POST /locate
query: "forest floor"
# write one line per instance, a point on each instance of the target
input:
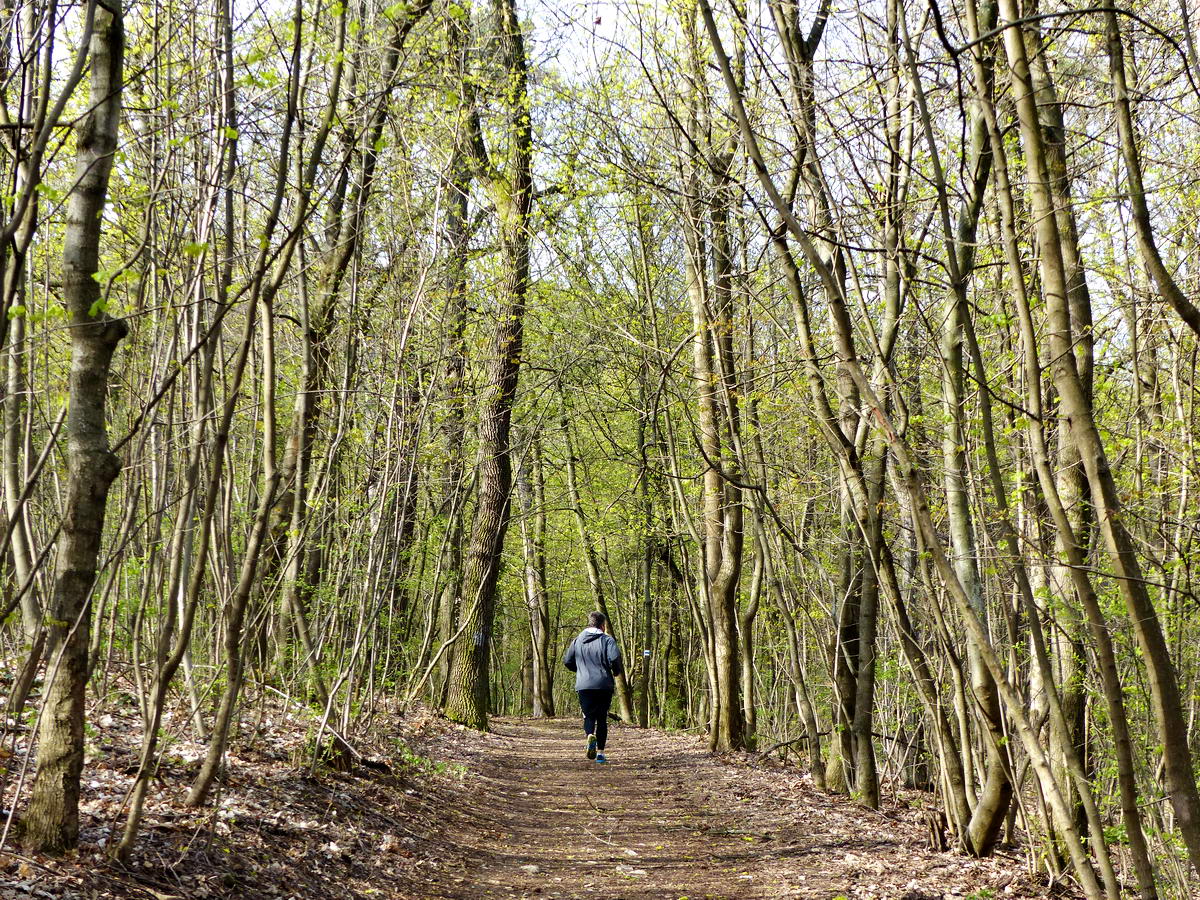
(519, 812)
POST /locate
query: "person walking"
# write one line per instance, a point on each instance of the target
(595, 659)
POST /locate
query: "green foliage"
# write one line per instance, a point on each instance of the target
(413, 764)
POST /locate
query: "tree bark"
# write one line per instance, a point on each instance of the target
(531, 491)
(458, 180)
(1164, 685)
(512, 195)
(52, 820)
(1135, 189)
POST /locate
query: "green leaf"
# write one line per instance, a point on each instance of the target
(49, 192)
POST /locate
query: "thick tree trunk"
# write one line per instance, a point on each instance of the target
(720, 563)
(52, 820)
(468, 699)
(646, 660)
(866, 777)
(746, 619)
(1069, 657)
(512, 195)
(457, 233)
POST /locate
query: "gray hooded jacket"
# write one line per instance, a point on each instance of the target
(594, 658)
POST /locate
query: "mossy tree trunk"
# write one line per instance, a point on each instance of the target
(52, 820)
(510, 189)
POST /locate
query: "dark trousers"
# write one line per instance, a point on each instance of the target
(595, 704)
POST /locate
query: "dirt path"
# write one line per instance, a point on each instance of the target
(665, 819)
(450, 813)
(563, 826)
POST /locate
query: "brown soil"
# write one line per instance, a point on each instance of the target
(665, 819)
(519, 812)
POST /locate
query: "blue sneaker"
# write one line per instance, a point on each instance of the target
(600, 758)
(591, 751)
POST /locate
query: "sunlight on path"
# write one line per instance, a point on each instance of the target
(638, 826)
(666, 820)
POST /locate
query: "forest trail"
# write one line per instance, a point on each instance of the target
(548, 822)
(447, 813)
(665, 819)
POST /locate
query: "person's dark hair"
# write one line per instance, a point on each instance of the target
(597, 619)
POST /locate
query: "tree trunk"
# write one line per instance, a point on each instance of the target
(512, 195)
(624, 691)
(530, 490)
(1134, 187)
(52, 820)
(234, 657)
(457, 189)
(1163, 680)
(343, 233)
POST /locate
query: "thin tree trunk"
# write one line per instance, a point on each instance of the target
(624, 692)
(1134, 187)
(530, 491)
(234, 658)
(909, 473)
(348, 221)
(1164, 685)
